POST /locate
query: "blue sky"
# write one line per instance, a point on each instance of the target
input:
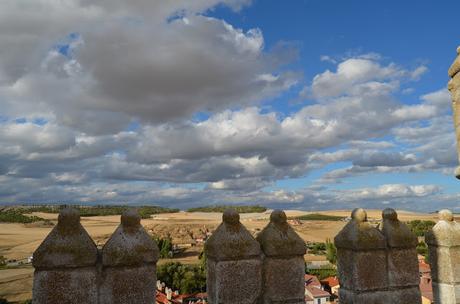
(295, 104)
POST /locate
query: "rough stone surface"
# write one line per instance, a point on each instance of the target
(372, 297)
(128, 285)
(446, 293)
(128, 260)
(234, 281)
(402, 296)
(361, 261)
(130, 244)
(284, 266)
(279, 239)
(70, 286)
(401, 251)
(284, 280)
(455, 67)
(231, 240)
(68, 269)
(359, 234)
(65, 264)
(444, 247)
(234, 264)
(454, 88)
(67, 245)
(446, 232)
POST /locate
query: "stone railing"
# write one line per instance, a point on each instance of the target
(376, 263)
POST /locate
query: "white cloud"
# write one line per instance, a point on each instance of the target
(90, 71)
(116, 66)
(361, 73)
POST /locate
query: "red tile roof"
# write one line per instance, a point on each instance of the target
(311, 280)
(318, 293)
(424, 268)
(331, 281)
(177, 299)
(426, 288)
(313, 286)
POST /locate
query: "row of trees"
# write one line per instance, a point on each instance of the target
(185, 278)
(16, 216)
(222, 208)
(420, 227)
(328, 249)
(165, 246)
(319, 217)
(99, 210)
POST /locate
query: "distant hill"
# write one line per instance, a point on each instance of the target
(100, 210)
(222, 208)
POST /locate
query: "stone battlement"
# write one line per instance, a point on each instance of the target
(375, 264)
(70, 269)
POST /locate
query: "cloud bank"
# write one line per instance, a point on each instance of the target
(157, 102)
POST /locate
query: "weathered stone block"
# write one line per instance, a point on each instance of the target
(70, 286)
(369, 270)
(361, 260)
(371, 297)
(284, 280)
(65, 264)
(284, 266)
(68, 245)
(444, 245)
(401, 252)
(345, 266)
(236, 281)
(409, 295)
(454, 88)
(234, 265)
(445, 263)
(403, 268)
(128, 264)
(128, 285)
(446, 293)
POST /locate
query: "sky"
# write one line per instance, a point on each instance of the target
(302, 104)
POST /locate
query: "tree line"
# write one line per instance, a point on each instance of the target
(222, 208)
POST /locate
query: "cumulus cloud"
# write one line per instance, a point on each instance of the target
(362, 73)
(130, 61)
(99, 103)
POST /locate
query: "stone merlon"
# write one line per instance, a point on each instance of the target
(359, 234)
(67, 245)
(130, 244)
(279, 239)
(231, 240)
(397, 234)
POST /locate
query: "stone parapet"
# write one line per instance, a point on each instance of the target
(377, 266)
(65, 264)
(129, 264)
(69, 269)
(444, 248)
(402, 262)
(284, 265)
(234, 263)
(361, 261)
